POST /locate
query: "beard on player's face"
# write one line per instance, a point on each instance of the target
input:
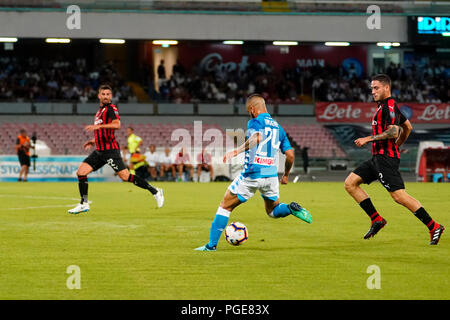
(105, 100)
(380, 95)
(251, 113)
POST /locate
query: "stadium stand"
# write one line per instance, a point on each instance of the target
(38, 80)
(57, 79)
(319, 141)
(68, 138)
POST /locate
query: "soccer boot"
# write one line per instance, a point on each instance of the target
(205, 248)
(81, 207)
(300, 212)
(159, 197)
(435, 234)
(374, 228)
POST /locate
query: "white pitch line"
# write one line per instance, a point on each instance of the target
(41, 207)
(41, 197)
(36, 197)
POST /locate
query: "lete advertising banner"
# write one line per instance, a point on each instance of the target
(361, 112)
(54, 168)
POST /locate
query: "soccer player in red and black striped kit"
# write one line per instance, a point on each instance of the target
(390, 129)
(107, 151)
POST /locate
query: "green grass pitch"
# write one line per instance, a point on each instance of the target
(127, 249)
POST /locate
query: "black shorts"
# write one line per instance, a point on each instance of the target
(384, 169)
(24, 159)
(98, 159)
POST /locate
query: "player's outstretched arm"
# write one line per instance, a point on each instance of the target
(290, 156)
(88, 144)
(249, 144)
(404, 133)
(115, 125)
(390, 133)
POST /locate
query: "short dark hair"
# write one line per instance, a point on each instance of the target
(384, 78)
(104, 87)
(255, 95)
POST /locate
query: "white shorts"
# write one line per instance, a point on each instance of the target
(245, 188)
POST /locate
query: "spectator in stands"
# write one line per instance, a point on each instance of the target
(178, 68)
(166, 164)
(116, 98)
(161, 73)
(204, 160)
(84, 97)
(153, 159)
(132, 98)
(45, 79)
(41, 79)
(125, 155)
(183, 163)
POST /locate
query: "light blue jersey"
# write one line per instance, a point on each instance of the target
(259, 174)
(261, 161)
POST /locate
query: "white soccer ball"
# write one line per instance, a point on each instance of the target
(236, 233)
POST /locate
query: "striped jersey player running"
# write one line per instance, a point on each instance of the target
(264, 138)
(107, 151)
(390, 129)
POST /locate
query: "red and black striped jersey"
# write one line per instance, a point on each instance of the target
(387, 114)
(104, 138)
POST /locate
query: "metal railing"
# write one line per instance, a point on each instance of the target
(155, 108)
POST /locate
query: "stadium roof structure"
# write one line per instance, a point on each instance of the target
(405, 7)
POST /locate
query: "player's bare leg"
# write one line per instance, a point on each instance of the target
(84, 169)
(275, 209)
(403, 198)
(353, 187)
(229, 202)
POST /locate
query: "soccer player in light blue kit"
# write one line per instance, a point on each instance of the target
(264, 138)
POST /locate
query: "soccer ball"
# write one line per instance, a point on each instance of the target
(236, 233)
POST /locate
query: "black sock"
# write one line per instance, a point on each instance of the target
(83, 187)
(141, 183)
(370, 210)
(423, 216)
